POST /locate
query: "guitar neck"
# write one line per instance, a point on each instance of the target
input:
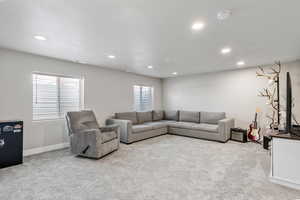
(255, 121)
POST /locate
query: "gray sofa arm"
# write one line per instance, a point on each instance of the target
(224, 128)
(125, 128)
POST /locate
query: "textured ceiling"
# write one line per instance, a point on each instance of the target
(154, 32)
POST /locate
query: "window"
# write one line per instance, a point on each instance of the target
(53, 96)
(143, 98)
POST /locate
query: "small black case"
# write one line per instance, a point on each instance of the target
(238, 134)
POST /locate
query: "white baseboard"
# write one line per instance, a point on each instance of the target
(44, 149)
(285, 183)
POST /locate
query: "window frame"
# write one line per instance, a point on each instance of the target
(152, 96)
(58, 76)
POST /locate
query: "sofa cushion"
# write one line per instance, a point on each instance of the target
(195, 126)
(189, 116)
(168, 122)
(185, 125)
(144, 117)
(141, 128)
(157, 115)
(171, 115)
(158, 124)
(206, 127)
(211, 117)
(132, 116)
(108, 136)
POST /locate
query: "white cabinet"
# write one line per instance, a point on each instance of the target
(285, 166)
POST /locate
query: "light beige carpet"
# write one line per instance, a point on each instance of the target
(162, 168)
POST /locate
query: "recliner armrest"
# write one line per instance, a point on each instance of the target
(109, 128)
(88, 131)
(89, 135)
(224, 128)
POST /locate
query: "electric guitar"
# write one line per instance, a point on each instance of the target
(254, 131)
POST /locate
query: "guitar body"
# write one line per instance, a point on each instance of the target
(249, 134)
(254, 131)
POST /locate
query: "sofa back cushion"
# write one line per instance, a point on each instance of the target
(189, 116)
(132, 116)
(171, 115)
(144, 117)
(211, 117)
(157, 115)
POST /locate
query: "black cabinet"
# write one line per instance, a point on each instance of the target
(238, 134)
(11, 143)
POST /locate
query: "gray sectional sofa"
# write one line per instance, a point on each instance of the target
(135, 126)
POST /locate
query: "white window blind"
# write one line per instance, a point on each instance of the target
(53, 96)
(143, 98)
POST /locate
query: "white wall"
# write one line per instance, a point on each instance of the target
(106, 91)
(235, 92)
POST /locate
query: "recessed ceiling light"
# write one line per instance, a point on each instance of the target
(198, 26)
(150, 67)
(224, 14)
(226, 50)
(174, 73)
(111, 56)
(39, 37)
(240, 63)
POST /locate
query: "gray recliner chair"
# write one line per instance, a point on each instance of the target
(87, 138)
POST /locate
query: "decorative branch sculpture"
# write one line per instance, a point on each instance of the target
(272, 92)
